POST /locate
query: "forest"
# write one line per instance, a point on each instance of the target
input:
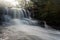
(43, 10)
(29, 19)
(46, 10)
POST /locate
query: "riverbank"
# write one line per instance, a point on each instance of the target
(54, 25)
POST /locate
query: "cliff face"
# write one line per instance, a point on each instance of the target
(1, 15)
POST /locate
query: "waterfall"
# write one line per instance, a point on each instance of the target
(17, 13)
(20, 26)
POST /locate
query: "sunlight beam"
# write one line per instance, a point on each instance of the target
(27, 0)
(12, 2)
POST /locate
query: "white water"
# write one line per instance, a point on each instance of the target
(23, 30)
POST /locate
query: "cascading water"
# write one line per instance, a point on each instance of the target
(22, 30)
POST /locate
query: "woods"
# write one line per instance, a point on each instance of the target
(47, 10)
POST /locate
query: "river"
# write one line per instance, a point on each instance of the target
(20, 26)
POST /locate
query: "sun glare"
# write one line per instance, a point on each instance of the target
(27, 0)
(12, 2)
